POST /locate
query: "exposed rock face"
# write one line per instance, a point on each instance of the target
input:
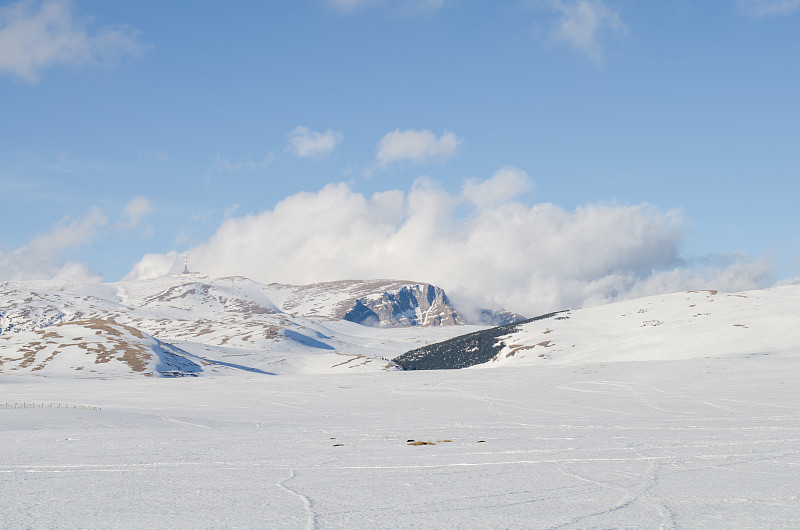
(410, 305)
(382, 303)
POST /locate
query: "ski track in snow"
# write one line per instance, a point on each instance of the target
(186, 423)
(307, 505)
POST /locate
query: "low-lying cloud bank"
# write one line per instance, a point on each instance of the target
(483, 245)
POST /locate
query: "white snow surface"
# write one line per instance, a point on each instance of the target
(686, 325)
(679, 411)
(702, 443)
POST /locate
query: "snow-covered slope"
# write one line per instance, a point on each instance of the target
(226, 323)
(193, 324)
(93, 347)
(688, 325)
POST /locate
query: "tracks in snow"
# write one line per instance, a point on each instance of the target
(311, 523)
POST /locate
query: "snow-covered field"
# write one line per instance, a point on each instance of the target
(694, 443)
(675, 411)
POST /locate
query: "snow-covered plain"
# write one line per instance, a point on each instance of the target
(677, 411)
(699, 443)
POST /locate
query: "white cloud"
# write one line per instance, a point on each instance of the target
(35, 35)
(529, 258)
(224, 164)
(401, 6)
(38, 260)
(68, 235)
(764, 8)
(417, 146)
(502, 186)
(180, 238)
(582, 24)
(155, 265)
(304, 142)
(135, 211)
(346, 6)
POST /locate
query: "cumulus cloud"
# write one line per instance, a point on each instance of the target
(35, 35)
(528, 258)
(38, 260)
(134, 213)
(304, 142)
(764, 8)
(155, 265)
(503, 185)
(583, 23)
(417, 146)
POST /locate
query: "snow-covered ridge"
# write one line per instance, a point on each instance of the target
(687, 325)
(35, 305)
(677, 326)
(94, 347)
(232, 322)
(191, 324)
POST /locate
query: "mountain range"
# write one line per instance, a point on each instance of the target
(193, 325)
(190, 324)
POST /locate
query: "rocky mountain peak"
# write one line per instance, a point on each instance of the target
(408, 305)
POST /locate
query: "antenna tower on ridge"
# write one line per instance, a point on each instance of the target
(185, 265)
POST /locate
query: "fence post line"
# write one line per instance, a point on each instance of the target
(43, 405)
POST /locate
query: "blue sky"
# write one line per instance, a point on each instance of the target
(133, 129)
